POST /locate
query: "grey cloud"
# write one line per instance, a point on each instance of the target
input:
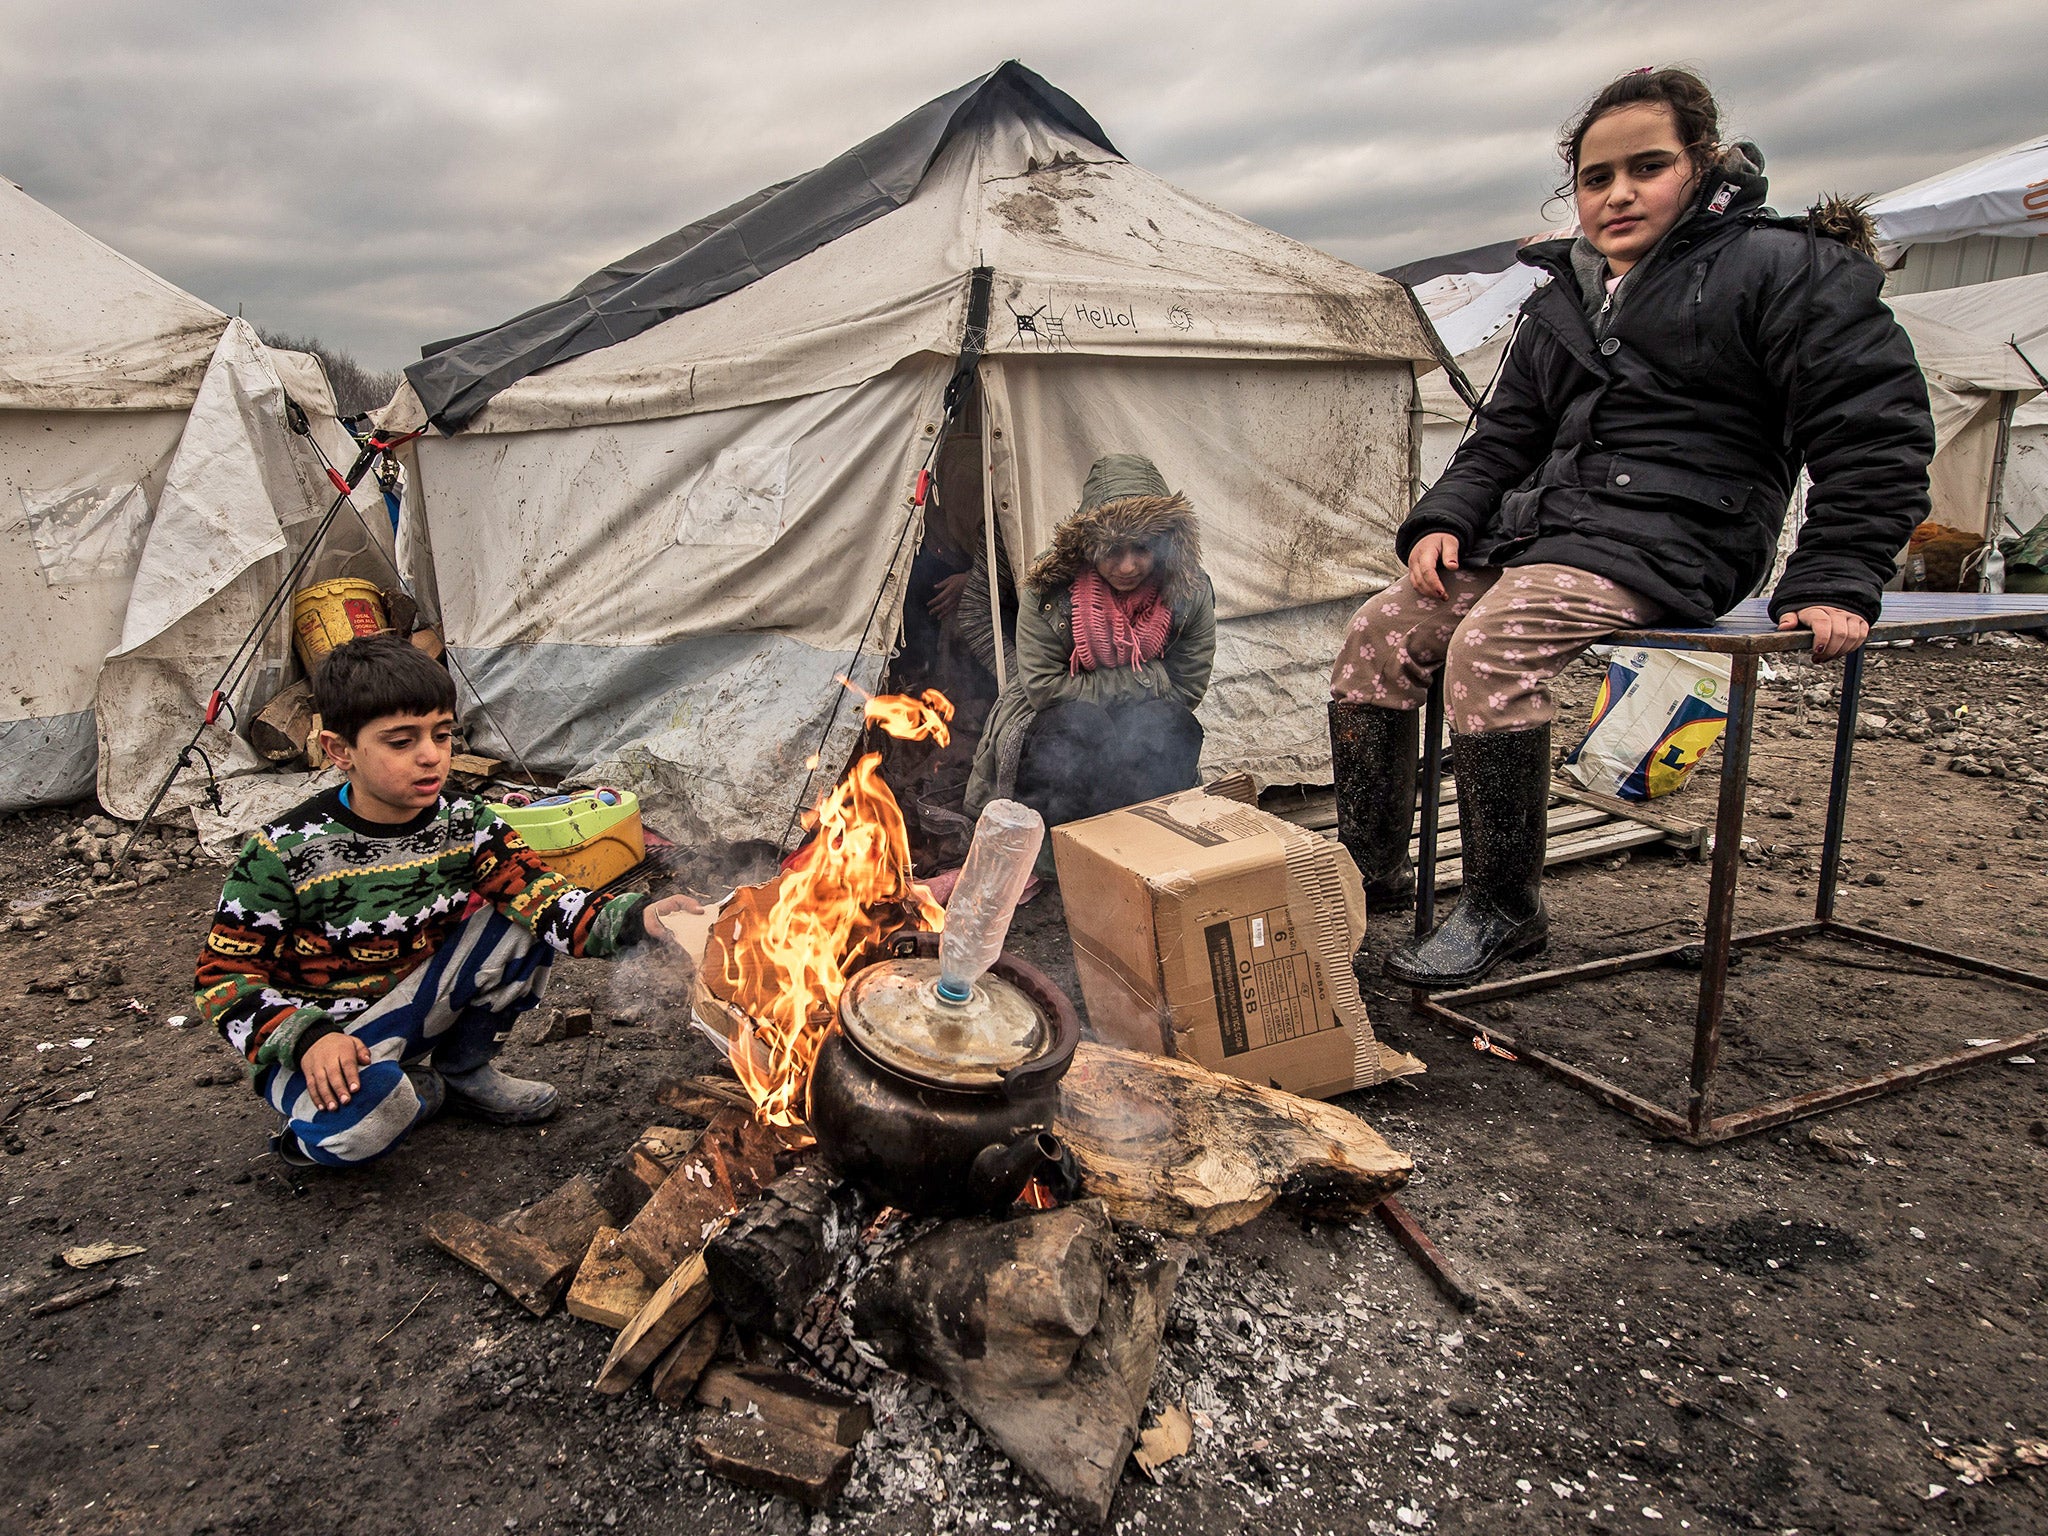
(386, 174)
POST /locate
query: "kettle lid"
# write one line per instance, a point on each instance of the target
(893, 1012)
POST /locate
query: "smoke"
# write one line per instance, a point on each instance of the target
(1083, 759)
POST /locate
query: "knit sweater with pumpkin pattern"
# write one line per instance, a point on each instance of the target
(325, 912)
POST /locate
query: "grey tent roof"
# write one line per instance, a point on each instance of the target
(1497, 257)
(723, 253)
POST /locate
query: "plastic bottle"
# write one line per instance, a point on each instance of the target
(1005, 847)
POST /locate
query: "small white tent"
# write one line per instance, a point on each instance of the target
(1980, 346)
(1976, 223)
(142, 454)
(665, 513)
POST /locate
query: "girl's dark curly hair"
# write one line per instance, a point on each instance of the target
(1693, 110)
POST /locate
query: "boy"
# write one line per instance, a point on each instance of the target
(372, 949)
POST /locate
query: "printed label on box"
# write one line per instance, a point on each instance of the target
(1264, 982)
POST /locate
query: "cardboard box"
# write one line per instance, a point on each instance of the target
(1205, 928)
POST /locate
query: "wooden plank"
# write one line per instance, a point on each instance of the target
(530, 1272)
(1681, 832)
(608, 1287)
(687, 1093)
(636, 1173)
(757, 1455)
(1563, 820)
(1609, 837)
(472, 771)
(675, 1378)
(698, 1194)
(785, 1398)
(565, 1219)
(676, 1303)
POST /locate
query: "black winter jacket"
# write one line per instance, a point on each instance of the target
(1659, 445)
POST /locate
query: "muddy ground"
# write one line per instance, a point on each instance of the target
(1774, 1335)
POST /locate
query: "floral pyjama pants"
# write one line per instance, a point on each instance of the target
(1499, 638)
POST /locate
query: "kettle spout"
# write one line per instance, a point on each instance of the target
(1001, 1172)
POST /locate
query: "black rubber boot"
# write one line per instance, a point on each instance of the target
(1503, 806)
(1372, 757)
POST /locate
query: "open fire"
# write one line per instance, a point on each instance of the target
(783, 949)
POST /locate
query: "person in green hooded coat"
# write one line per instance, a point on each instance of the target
(1115, 639)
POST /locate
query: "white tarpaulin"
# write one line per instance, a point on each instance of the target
(652, 559)
(603, 633)
(2003, 194)
(70, 485)
(241, 497)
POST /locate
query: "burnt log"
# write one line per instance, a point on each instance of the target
(767, 1265)
(1173, 1147)
(1041, 1327)
(1000, 1304)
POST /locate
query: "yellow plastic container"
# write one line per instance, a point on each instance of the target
(580, 836)
(331, 613)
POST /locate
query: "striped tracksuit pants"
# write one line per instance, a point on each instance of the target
(452, 1013)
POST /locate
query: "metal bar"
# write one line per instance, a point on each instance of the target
(1961, 962)
(1590, 970)
(1706, 1038)
(1432, 793)
(1838, 786)
(1394, 1217)
(1776, 1112)
(1611, 1094)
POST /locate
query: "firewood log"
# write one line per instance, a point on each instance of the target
(1005, 1304)
(1174, 1147)
(768, 1264)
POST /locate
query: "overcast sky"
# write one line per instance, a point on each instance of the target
(381, 175)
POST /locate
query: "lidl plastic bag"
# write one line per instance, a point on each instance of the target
(1656, 715)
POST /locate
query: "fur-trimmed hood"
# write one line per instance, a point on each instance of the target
(1126, 502)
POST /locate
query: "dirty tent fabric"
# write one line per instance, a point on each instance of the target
(664, 513)
(1974, 344)
(110, 379)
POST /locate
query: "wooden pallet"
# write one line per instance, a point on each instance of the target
(1582, 825)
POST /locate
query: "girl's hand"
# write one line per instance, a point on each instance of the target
(653, 913)
(332, 1068)
(1430, 551)
(1836, 631)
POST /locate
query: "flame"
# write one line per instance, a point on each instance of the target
(789, 944)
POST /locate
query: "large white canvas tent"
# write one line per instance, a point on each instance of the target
(144, 468)
(1975, 223)
(664, 513)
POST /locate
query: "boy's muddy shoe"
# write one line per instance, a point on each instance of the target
(432, 1090)
(492, 1095)
(285, 1147)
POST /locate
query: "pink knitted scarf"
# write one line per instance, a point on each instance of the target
(1117, 629)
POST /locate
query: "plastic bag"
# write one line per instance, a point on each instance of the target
(1656, 715)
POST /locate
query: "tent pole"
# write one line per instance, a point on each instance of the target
(989, 535)
(1994, 505)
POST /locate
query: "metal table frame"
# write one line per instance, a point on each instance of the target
(1746, 635)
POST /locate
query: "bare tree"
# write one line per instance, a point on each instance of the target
(356, 388)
